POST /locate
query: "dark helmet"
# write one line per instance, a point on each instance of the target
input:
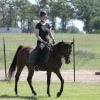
(43, 13)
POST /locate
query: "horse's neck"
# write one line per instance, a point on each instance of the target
(56, 54)
(55, 59)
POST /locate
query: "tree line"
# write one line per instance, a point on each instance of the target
(26, 13)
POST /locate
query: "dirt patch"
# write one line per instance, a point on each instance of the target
(81, 76)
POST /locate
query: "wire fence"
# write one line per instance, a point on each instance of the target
(82, 68)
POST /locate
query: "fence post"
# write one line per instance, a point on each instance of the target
(74, 59)
(4, 51)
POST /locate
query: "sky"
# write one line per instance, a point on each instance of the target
(32, 1)
(78, 23)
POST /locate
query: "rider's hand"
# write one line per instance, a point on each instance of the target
(45, 42)
(53, 41)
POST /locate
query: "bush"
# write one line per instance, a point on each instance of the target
(72, 29)
(95, 24)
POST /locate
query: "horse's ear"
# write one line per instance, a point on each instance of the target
(72, 43)
(61, 43)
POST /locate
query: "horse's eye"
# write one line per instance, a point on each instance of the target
(70, 50)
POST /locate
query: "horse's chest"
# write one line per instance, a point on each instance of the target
(55, 63)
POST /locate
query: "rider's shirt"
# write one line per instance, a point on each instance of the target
(43, 31)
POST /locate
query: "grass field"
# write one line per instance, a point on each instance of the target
(87, 57)
(72, 91)
(87, 48)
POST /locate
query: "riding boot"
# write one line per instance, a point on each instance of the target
(36, 63)
(44, 56)
(34, 57)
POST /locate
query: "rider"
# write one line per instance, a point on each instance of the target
(42, 31)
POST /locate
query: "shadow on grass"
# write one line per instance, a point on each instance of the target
(22, 97)
(4, 80)
(18, 97)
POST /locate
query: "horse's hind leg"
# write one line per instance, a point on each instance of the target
(29, 79)
(19, 70)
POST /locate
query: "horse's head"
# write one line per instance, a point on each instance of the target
(66, 49)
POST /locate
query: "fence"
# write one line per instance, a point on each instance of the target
(81, 68)
(8, 46)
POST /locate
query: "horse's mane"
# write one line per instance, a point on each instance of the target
(56, 48)
(58, 45)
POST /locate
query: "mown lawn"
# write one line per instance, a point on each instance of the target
(72, 91)
(87, 48)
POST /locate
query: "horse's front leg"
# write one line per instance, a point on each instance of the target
(48, 82)
(62, 83)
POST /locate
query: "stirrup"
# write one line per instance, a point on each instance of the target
(36, 67)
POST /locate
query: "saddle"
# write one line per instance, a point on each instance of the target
(40, 57)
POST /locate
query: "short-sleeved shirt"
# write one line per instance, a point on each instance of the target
(43, 31)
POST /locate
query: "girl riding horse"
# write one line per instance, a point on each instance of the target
(54, 63)
(42, 30)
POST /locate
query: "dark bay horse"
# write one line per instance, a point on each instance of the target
(54, 63)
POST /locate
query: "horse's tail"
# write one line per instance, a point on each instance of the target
(13, 64)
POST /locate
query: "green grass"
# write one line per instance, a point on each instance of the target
(87, 48)
(72, 91)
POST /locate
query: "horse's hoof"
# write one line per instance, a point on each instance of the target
(58, 94)
(16, 93)
(35, 93)
(49, 95)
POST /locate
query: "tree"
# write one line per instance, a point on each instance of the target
(53, 13)
(95, 21)
(63, 10)
(24, 11)
(11, 17)
(3, 11)
(66, 13)
(95, 24)
(72, 29)
(7, 12)
(86, 10)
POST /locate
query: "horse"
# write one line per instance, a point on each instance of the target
(57, 52)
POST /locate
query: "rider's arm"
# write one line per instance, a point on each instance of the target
(50, 34)
(37, 35)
